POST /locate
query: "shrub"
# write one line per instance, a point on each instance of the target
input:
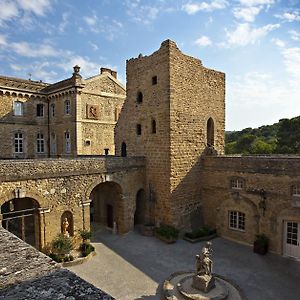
(61, 245)
(201, 232)
(85, 235)
(167, 231)
(86, 249)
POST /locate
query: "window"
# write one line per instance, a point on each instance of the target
(138, 129)
(123, 150)
(210, 132)
(153, 126)
(237, 220)
(106, 151)
(154, 80)
(40, 143)
(40, 110)
(67, 142)
(67, 107)
(237, 183)
(52, 110)
(18, 108)
(19, 143)
(296, 190)
(139, 97)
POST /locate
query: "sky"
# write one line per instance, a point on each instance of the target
(255, 42)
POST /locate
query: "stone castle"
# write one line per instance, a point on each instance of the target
(155, 157)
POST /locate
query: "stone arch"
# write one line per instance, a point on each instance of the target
(210, 132)
(140, 207)
(107, 207)
(69, 216)
(20, 216)
(244, 205)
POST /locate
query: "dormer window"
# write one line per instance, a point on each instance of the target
(18, 108)
(237, 183)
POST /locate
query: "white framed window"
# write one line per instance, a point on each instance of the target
(40, 143)
(296, 190)
(236, 220)
(67, 107)
(52, 110)
(40, 110)
(67, 142)
(18, 108)
(237, 183)
(19, 142)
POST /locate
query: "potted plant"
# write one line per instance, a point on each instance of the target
(167, 233)
(86, 247)
(261, 244)
(61, 247)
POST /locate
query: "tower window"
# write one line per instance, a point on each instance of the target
(52, 110)
(139, 98)
(153, 126)
(40, 110)
(67, 107)
(210, 132)
(123, 150)
(154, 80)
(138, 129)
(67, 142)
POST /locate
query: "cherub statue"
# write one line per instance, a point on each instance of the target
(203, 261)
(65, 227)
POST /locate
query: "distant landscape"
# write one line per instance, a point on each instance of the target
(280, 138)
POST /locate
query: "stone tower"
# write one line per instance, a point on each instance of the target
(173, 114)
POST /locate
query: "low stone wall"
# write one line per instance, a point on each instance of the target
(26, 273)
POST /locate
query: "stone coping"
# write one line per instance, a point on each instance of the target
(200, 239)
(78, 261)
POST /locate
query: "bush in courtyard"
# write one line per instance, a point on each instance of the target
(85, 235)
(201, 232)
(86, 249)
(62, 245)
(167, 231)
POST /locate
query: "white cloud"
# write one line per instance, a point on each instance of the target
(203, 41)
(38, 7)
(289, 16)
(34, 50)
(91, 21)
(256, 2)
(247, 13)
(291, 58)
(65, 21)
(3, 41)
(294, 35)
(279, 43)
(192, 8)
(244, 34)
(8, 10)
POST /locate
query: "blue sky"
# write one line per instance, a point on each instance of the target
(255, 42)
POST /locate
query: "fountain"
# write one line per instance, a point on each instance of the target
(199, 285)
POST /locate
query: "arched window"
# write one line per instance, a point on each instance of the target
(153, 126)
(210, 132)
(139, 98)
(123, 150)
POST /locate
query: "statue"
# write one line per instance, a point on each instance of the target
(203, 261)
(203, 279)
(65, 227)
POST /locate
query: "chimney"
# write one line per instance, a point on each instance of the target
(107, 70)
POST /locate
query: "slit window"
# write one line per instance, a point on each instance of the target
(139, 98)
(154, 80)
(138, 129)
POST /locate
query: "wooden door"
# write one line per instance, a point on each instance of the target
(292, 239)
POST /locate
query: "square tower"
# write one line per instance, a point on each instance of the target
(173, 114)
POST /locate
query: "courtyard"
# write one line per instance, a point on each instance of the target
(133, 267)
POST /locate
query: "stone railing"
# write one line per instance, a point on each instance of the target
(12, 170)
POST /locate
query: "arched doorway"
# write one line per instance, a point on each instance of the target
(210, 132)
(140, 208)
(106, 204)
(20, 216)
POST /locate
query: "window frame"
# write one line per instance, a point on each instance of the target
(40, 110)
(52, 110)
(236, 220)
(296, 190)
(68, 148)
(67, 107)
(21, 107)
(18, 143)
(40, 143)
(237, 183)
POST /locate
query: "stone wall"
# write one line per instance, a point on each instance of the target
(66, 185)
(267, 182)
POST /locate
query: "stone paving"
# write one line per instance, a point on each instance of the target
(133, 267)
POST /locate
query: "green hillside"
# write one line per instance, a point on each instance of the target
(280, 138)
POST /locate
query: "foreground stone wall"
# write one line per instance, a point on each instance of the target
(273, 175)
(26, 273)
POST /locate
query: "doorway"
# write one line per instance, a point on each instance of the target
(291, 242)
